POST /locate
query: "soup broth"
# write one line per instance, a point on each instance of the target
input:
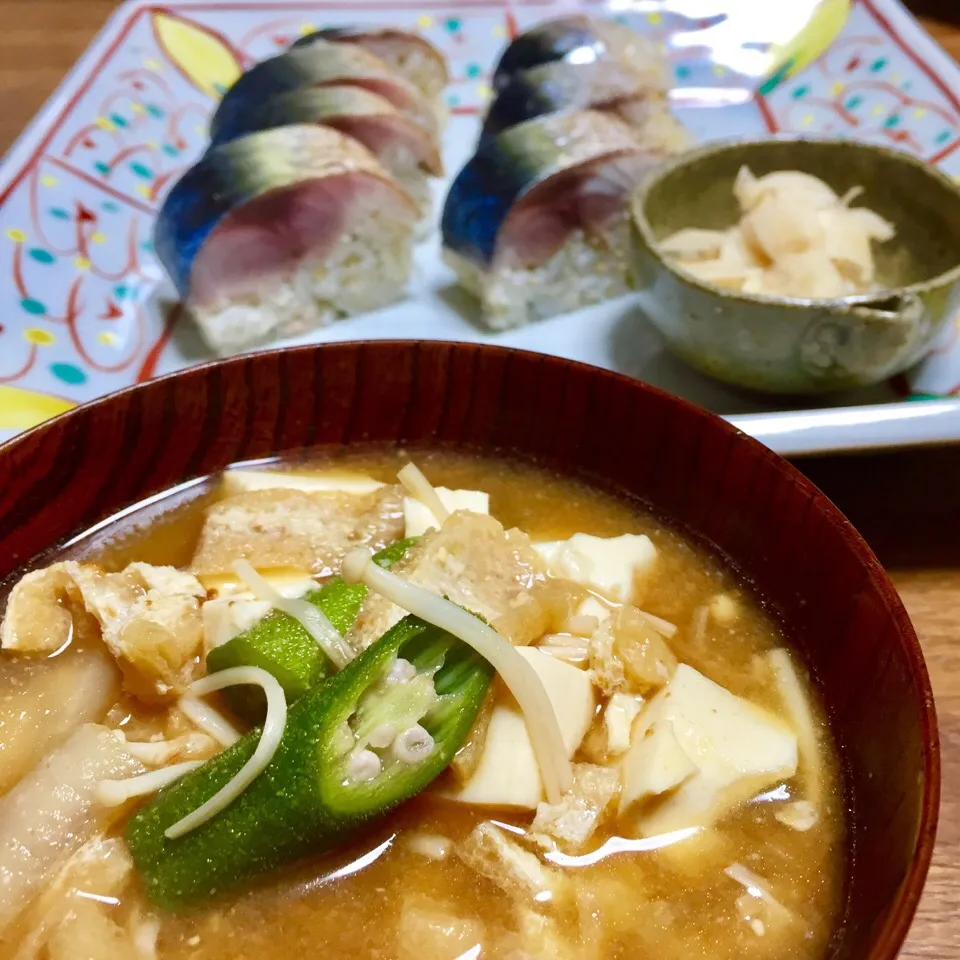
(763, 881)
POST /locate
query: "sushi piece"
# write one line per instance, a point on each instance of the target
(410, 54)
(321, 64)
(407, 149)
(536, 222)
(579, 39)
(605, 85)
(283, 231)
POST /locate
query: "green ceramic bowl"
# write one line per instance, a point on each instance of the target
(794, 346)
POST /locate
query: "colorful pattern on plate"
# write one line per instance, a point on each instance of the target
(86, 309)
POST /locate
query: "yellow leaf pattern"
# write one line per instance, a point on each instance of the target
(21, 409)
(814, 39)
(204, 57)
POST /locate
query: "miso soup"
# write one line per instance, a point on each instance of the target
(488, 712)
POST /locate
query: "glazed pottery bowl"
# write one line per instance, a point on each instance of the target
(795, 346)
(809, 565)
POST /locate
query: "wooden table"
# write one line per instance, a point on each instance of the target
(907, 505)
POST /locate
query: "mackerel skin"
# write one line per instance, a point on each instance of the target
(355, 112)
(572, 38)
(410, 53)
(561, 85)
(544, 159)
(232, 175)
(319, 63)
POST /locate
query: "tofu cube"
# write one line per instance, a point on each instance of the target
(655, 764)
(225, 618)
(738, 750)
(621, 711)
(331, 481)
(288, 583)
(418, 517)
(235, 609)
(507, 774)
(606, 565)
(549, 550)
(592, 607)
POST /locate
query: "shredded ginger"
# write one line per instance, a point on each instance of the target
(795, 238)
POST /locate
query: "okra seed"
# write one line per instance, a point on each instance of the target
(383, 736)
(401, 671)
(363, 766)
(413, 745)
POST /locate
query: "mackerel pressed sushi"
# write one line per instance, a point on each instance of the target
(605, 85)
(536, 223)
(406, 148)
(282, 231)
(579, 39)
(320, 64)
(409, 53)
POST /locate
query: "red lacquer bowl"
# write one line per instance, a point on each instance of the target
(692, 468)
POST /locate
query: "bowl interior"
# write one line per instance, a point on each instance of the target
(695, 470)
(697, 191)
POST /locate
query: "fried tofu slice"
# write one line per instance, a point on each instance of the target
(626, 652)
(151, 623)
(309, 530)
(490, 852)
(572, 822)
(149, 618)
(473, 562)
(38, 618)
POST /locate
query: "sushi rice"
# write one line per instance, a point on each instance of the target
(536, 222)
(283, 231)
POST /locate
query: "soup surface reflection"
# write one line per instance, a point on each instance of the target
(756, 873)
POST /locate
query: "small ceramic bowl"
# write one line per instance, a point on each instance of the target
(806, 561)
(797, 346)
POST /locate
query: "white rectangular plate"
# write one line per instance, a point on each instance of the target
(85, 308)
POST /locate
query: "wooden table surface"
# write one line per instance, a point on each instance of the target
(907, 505)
